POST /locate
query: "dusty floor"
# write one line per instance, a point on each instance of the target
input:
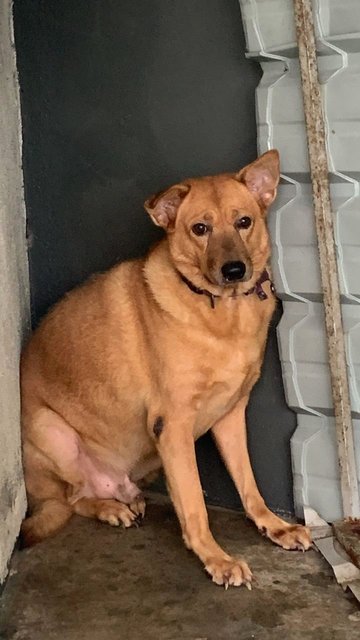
(95, 582)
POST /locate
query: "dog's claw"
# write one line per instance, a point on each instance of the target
(138, 518)
(248, 585)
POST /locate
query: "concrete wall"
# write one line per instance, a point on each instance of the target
(14, 292)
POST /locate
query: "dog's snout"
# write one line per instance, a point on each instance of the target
(233, 271)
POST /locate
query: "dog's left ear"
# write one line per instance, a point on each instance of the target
(262, 177)
(164, 206)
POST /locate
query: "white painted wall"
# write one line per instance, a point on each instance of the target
(14, 291)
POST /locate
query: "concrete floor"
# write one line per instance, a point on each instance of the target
(95, 582)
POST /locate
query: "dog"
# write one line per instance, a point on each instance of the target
(129, 369)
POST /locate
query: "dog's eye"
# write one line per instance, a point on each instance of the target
(200, 229)
(243, 223)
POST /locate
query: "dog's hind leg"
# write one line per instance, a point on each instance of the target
(63, 477)
(48, 506)
(47, 518)
(49, 448)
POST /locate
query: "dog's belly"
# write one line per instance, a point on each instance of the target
(90, 471)
(100, 481)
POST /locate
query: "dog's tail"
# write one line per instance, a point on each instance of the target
(46, 519)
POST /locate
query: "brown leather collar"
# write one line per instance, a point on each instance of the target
(257, 288)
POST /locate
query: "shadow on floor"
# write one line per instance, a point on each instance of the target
(95, 582)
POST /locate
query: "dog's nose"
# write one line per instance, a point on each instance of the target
(233, 271)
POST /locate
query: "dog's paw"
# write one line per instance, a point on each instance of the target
(229, 572)
(138, 506)
(290, 536)
(116, 513)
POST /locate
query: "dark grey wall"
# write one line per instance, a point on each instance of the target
(121, 98)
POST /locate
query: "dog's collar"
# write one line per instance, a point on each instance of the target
(257, 288)
(201, 292)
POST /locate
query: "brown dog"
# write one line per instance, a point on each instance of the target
(128, 370)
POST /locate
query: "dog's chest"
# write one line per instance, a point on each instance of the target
(215, 363)
(223, 380)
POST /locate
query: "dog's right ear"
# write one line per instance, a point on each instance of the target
(163, 206)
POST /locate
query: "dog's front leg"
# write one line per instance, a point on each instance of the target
(175, 443)
(230, 437)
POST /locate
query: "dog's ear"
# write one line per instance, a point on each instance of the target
(262, 177)
(164, 206)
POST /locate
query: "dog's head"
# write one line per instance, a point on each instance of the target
(216, 225)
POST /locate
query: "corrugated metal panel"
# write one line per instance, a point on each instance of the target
(270, 35)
